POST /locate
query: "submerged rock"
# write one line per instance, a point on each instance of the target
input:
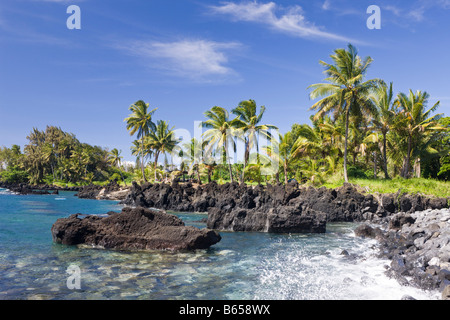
(133, 229)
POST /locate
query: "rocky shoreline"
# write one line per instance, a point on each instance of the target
(24, 189)
(413, 231)
(418, 246)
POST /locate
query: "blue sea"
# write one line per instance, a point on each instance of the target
(242, 266)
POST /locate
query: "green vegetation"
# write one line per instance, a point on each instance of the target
(361, 132)
(56, 157)
(427, 187)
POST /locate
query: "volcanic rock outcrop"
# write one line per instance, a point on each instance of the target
(133, 229)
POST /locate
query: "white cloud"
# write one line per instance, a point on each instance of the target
(326, 5)
(196, 59)
(292, 21)
(393, 9)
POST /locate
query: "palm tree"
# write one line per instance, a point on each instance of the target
(414, 122)
(115, 160)
(283, 151)
(220, 133)
(193, 153)
(161, 140)
(140, 121)
(346, 92)
(317, 170)
(384, 117)
(249, 122)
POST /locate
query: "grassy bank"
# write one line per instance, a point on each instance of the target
(428, 187)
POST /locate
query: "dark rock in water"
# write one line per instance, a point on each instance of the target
(112, 191)
(26, 189)
(276, 220)
(407, 297)
(89, 192)
(399, 219)
(366, 231)
(133, 229)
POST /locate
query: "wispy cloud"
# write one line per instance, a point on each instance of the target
(326, 5)
(418, 9)
(291, 21)
(199, 60)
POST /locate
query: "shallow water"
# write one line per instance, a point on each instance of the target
(241, 266)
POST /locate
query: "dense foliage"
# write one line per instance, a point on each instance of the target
(54, 156)
(361, 129)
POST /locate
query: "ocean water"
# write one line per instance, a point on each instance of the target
(242, 266)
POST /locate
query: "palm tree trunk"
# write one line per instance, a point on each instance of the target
(246, 156)
(156, 163)
(231, 172)
(198, 175)
(228, 160)
(285, 173)
(209, 176)
(405, 170)
(142, 159)
(385, 168)
(347, 113)
(417, 171)
(374, 164)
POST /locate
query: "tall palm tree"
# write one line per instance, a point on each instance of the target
(220, 133)
(140, 121)
(346, 91)
(249, 122)
(414, 121)
(384, 117)
(161, 140)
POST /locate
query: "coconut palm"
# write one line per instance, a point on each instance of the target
(384, 117)
(346, 91)
(115, 160)
(193, 153)
(220, 133)
(161, 140)
(249, 122)
(140, 122)
(284, 151)
(414, 122)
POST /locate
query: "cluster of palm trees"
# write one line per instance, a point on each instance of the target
(369, 108)
(204, 154)
(152, 139)
(357, 123)
(53, 155)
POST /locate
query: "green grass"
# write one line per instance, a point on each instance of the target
(426, 187)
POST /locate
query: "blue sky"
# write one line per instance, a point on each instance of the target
(185, 56)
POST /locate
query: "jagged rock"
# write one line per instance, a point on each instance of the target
(366, 231)
(133, 229)
(399, 219)
(275, 220)
(112, 191)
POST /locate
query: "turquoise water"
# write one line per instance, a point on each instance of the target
(246, 266)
